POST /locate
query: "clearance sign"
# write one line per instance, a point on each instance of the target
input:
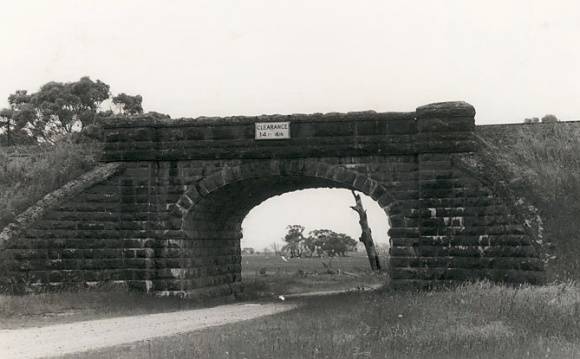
(272, 130)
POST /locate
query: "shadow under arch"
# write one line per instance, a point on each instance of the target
(212, 210)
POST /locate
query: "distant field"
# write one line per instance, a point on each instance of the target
(271, 275)
(354, 262)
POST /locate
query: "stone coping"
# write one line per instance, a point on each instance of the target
(159, 121)
(433, 110)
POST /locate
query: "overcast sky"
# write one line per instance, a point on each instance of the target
(510, 59)
(314, 209)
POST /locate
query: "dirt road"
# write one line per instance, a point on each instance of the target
(90, 335)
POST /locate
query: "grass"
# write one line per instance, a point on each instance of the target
(266, 276)
(542, 164)
(479, 320)
(355, 262)
(44, 309)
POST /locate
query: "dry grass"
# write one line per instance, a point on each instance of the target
(56, 308)
(355, 262)
(270, 276)
(480, 320)
(547, 159)
(28, 173)
(542, 163)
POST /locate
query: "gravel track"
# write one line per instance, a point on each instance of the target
(57, 340)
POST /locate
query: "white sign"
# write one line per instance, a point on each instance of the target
(272, 130)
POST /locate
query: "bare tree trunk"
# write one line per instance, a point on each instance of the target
(8, 135)
(366, 237)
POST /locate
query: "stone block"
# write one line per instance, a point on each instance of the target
(445, 124)
(407, 232)
(456, 109)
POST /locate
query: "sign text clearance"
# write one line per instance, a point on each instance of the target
(272, 130)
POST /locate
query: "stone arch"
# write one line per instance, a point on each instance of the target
(329, 175)
(210, 214)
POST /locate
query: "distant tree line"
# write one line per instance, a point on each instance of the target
(59, 109)
(319, 242)
(546, 119)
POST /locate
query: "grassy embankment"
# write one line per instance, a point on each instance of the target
(541, 163)
(27, 173)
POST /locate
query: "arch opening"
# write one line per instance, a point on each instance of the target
(323, 253)
(213, 224)
(313, 208)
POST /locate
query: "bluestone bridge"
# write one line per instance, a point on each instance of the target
(163, 212)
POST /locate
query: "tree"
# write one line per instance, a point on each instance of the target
(7, 124)
(330, 243)
(310, 245)
(549, 119)
(62, 108)
(14, 119)
(318, 240)
(294, 239)
(532, 120)
(275, 248)
(130, 105)
(57, 108)
(366, 236)
(343, 243)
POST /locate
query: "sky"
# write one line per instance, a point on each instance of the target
(313, 209)
(510, 59)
